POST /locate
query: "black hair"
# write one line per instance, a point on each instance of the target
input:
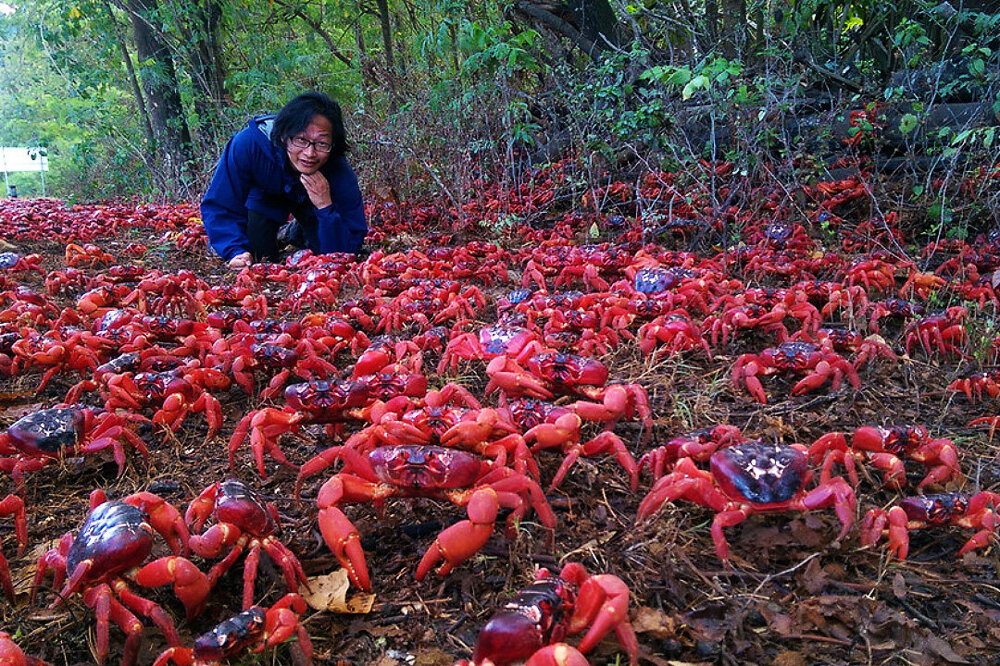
(295, 116)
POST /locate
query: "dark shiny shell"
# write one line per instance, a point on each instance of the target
(761, 473)
(239, 505)
(48, 431)
(9, 259)
(115, 537)
(326, 401)
(231, 636)
(655, 280)
(534, 618)
(424, 467)
(939, 509)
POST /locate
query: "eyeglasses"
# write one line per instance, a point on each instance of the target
(302, 143)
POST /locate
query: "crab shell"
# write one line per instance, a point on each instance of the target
(534, 618)
(115, 537)
(274, 356)
(497, 339)
(231, 636)
(761, 473)
(568, 371)
(48, 432)
(936, 509)
(654, 280)
(425, 467)
(238, 505)
(324, 400)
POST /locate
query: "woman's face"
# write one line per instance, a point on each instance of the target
(309, 159)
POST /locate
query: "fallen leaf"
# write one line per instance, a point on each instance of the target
(434, 657)
(996, 278)
(654, 622)
(899, 586)
(782, 624)
(17, 411)
(941, 648)
(789, 659)
(813, 578)
(329, 593)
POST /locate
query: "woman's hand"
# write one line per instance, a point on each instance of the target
(240, 261)
(318, 188)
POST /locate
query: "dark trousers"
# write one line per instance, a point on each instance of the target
(262, 235)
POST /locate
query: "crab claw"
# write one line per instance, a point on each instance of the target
(463, 539)
(557, 654)
(340, 534)
(190, 584)
(164, 518)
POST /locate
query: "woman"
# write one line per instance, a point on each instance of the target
(290, 163)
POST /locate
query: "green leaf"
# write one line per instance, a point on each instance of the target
(594, 231)
(907, 123)
(853, 22)
(693, 85)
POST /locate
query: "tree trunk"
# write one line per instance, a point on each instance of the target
(140, 101)
(205, 61)
(590, 24)
(734, 27)
(159, 81)
(390, 65)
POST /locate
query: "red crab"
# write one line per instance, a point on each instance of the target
(88, 255)
(278, 361)
(699, 445)
(885, 447)
(48, 435)
(12, 505)
(482, 431)
(750, 478)
(13, 262)
(11, 654)
(311, 402)
(551, 609)
(818, 362)
(563, 433)
(670, 334)
(425, 471)
(939, 331)
(104, 560)
(976, 511)
(491, 342)
(975, 384)
(175, 394)
(256, 627)
(571, 374)
(242, 521)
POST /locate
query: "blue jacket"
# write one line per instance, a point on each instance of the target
(253, 174)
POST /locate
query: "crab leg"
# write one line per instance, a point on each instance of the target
(464, 539)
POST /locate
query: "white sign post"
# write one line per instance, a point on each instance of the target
(24, 160)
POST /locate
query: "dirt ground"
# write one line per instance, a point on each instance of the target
(791, 594)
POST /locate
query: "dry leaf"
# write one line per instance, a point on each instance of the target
(996, 278)
(330, 593)
(941, 648)
(789, 659)
(814, 578)
(899, 586)
(434, 657)
(654, 622)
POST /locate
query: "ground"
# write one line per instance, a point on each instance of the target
(790, 594)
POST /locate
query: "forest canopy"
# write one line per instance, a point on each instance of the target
(137, 97)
